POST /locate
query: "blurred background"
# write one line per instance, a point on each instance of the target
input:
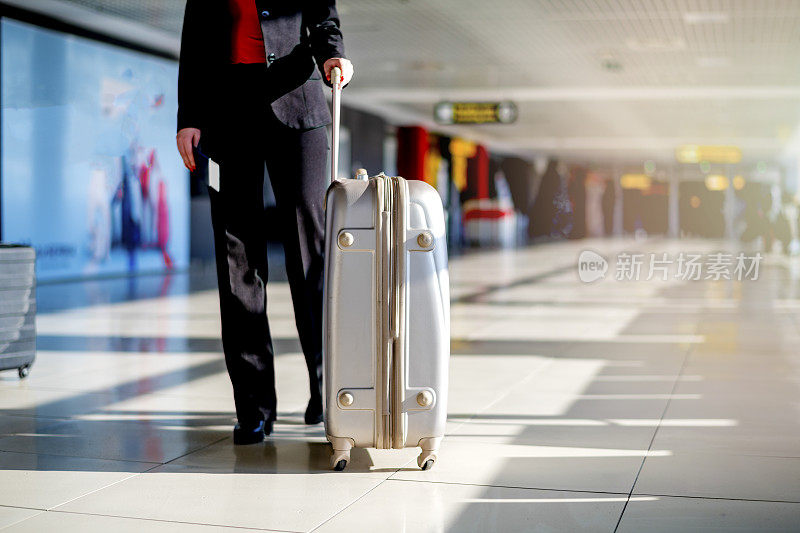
(535, 121)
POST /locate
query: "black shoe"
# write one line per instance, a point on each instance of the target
(314, 411)
(251, 435)
(268, 425)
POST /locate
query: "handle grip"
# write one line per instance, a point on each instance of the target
(336, 105)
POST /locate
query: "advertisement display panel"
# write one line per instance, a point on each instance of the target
(90, 174)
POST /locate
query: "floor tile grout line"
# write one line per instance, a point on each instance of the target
(6, 506)
(515, 487)
(474, 296)
(52, 388)
(221, 439)
(12, 524)
(136, 474)
(33, 417)
(78, 417)
(155, 463)
(39, 509)
(343, 509)
(655, 432)
(688, 496)
(173, 521)
(583, 491)
(505, 394)
(471, 297)
(97, 490)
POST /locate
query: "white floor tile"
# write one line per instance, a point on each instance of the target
(11, 425)
(732, 436)
(696, 514)
(296, 449)
(45, 481)
(719, 475)
(463, 460)
(292, 502)
(51, 403)
(81, 523)
(553, 431)
(153, 441)
(121, 369)
(400, 506)
(61, 364)
(13, 515)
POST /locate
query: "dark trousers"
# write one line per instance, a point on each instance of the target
(295, 161)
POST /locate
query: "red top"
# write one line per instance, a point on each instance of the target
(247, 43)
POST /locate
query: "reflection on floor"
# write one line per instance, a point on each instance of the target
(617, 405)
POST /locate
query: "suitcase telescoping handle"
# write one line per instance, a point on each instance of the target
(336, 106)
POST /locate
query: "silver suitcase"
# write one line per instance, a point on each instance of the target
(386, 314)
(17, 308)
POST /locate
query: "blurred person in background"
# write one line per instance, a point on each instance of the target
(757, 204)
(249, 93)
(608, 201)
(782, 227)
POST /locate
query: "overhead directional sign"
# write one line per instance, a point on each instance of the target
(693, 153)
(475, 112)
(635, 181)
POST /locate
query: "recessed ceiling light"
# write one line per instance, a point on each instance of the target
(655, 44)
(706, 17)
(713, 61)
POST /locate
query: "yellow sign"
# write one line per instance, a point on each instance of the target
(716, 182)
(635, 181)
(475, 112)
(693, 153)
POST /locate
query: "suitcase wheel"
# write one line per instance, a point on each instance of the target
(339, 459)
(23, 371)
(427, 458)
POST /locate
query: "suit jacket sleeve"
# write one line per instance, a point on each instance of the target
(322, 21)
(190, 68)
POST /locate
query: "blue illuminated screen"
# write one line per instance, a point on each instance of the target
(90, 174)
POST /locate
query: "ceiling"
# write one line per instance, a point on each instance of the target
(166, 15)
(594, 80)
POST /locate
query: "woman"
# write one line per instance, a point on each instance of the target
(249, 94)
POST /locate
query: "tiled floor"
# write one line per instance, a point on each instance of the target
(612, 406)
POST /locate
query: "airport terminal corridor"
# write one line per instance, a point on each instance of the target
(616, 405)
(607, 192)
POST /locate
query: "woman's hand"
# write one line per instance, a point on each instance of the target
(344, 64)
(187, 139)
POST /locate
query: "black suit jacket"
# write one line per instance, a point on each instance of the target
(296, 34)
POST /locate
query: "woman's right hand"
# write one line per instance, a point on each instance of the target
(187, 139)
